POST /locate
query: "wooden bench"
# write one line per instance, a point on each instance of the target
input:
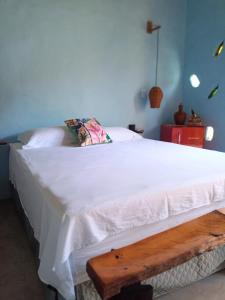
(117, 274)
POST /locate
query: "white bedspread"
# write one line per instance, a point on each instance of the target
(100, 191)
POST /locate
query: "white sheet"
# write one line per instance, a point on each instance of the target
(90, 198)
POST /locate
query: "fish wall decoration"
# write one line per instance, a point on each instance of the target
(219, 49)
(213, 92)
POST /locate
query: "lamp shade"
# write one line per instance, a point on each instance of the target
(155, 97)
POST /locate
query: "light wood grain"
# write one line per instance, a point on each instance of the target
(222, 210)
(112, 271)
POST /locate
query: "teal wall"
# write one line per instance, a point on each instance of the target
(73, 58)
(205, 30)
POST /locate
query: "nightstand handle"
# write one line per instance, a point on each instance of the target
(179, 137)
(194, 138)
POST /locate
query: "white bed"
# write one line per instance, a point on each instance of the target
(83, 201)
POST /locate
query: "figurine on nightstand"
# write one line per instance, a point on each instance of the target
(180, 115)
(194, 119)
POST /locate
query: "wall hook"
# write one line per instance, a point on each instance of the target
(150, 27)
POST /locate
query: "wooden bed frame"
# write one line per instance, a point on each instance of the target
(117, 275)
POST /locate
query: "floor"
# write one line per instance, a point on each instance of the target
(212, 288)
(19, 280)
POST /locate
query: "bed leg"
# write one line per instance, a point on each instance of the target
(135, 292)
(54, 293)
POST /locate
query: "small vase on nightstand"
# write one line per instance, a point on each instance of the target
(180, 116)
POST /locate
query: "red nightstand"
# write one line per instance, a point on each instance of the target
(184, 135)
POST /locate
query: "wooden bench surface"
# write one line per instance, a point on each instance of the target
(119, 268)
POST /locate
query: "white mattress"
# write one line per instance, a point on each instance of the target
(84, 201)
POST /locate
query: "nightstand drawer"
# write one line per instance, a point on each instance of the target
(184, 135)
(193, 136)
(195, 141)
(177, 135)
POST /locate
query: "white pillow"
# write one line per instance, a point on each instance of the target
(46, 137)
(120, 134)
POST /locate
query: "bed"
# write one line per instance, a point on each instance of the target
(84, 201)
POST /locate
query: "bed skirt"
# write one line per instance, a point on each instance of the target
(195, 269)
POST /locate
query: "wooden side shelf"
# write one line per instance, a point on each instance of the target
(124, 267)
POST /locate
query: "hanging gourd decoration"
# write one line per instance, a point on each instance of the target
(155, 94)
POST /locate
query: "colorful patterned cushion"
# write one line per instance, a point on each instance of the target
(88, 131)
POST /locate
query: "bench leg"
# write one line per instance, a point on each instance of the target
(135, 292)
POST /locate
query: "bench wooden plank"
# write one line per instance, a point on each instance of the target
(123, 267)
